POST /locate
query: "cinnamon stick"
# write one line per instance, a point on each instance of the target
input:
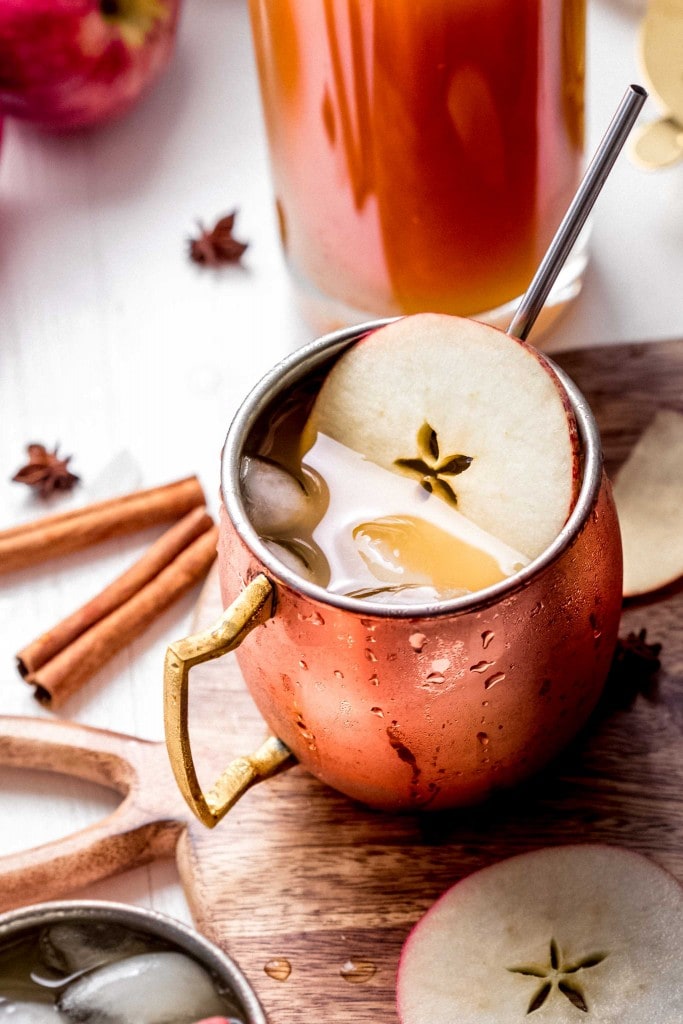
(32, 543)
(68, 670)
(156, 558)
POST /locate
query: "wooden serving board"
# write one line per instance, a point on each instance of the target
(299, 874)
(312, 894)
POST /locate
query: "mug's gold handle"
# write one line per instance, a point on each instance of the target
(253, 606)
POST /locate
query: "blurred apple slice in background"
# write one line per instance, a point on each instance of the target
(556, 936)
(648, 492)
(475, 416)
(74, 63)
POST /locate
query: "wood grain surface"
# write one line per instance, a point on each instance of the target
(301, 874)
(312, 894)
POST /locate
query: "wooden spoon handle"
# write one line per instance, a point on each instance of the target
(108, 758)
(146, 824)
(123, 840)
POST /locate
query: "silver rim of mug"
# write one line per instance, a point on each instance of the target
(14, 923)
(295, 366)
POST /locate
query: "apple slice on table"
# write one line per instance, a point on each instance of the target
(648, 491)
(474, 416)
(560, 935)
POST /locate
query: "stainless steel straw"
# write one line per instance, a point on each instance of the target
(575, 217)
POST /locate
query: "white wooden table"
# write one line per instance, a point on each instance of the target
(114, 345)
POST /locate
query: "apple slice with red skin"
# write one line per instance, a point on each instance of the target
(474, 415)
(217, 1020)
(562, 935)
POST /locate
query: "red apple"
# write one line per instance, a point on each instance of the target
(74, 63)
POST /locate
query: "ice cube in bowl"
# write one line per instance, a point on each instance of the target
(56, 962)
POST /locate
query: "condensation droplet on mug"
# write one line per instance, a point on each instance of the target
(441, 665)
(436, 677)
(370, 655)
(278, 969)
(378, 712)
(374, 679)
(483, 738)
(338, 674)
(307, 734)
(303, 665)
(484, 703)
(482, 666)
(538, 607)
(357, 972)
(597, 632)
(417, 641)
(369, 624)
(486, 638)
(497, 677)
(315, 619)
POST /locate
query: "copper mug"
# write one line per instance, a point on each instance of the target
(410, 707)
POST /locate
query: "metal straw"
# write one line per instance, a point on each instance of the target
(575, 217)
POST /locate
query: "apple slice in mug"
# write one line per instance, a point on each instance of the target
(474, 416)
(557, 936)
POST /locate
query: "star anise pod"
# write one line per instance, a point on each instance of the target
(46, 471)
(217, 245)
(635, 651)
(633, 672)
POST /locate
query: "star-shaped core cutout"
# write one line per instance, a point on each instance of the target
(430, 468)
(559, 974)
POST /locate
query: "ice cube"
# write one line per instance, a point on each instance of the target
(276, 501)
(31, 1013)
(296, 556)
(73, 946)
(157, 988)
